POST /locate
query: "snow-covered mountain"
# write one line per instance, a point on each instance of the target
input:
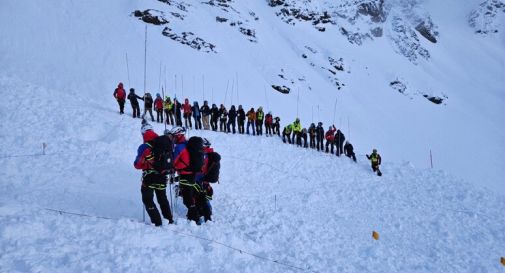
(405, 77)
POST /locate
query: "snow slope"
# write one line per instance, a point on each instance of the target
(278, 208)
(80, 49)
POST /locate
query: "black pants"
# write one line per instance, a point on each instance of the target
(298, 140)
(277, 129)
(150, 110)
(286, 136)
(121, 106)
(198, 123)
(375, 168)
(222, 125)
(150, 206)
(353, 156)
(241, 129)
(136, 110)
(169, 117)
(159, 115)
(305, 145)
(329, 143)
(251, 123)
(312, 142)
(268, 129)
(231, 126)
(319, 144)
(259, 128)
(340, 148)
(187, 119)
(213, 123)
(178, 120)
(293, 137)
(190, 193)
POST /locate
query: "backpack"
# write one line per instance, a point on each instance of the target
(195, 150)
(161, 149)
(213, 168)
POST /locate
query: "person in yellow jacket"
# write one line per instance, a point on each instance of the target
(297, 129)
(286, 133)
(168, 109)
(376, 160)
(260, 116)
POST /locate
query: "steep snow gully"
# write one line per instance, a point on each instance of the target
(277, 208)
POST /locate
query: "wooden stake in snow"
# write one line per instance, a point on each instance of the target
(375, 235)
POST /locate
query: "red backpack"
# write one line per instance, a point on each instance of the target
(269, 119)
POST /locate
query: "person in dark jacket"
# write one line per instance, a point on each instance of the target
(205, 111)
(277, 126)
(223, 117)
(153, 182)
(120, 96)
(349, 151)
(241, 119)
(197, 116)
(312, 136)
(232, 117)
(177, 112)
(339, 141)
(214, 116)
(148, 105)
(319, 136)
(135, 103)
(376, 160)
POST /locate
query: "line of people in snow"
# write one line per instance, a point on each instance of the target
(195, 162)
(173, 113)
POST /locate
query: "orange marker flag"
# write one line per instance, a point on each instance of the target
(375, 235)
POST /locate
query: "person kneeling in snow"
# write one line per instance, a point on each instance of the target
(152, 180)
(349, 151)
(375, 158)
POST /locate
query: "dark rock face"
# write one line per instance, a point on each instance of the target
(221, 19)
(374, 9)
(283, 89)
(190, 39)
(435, 100)
(426, 30)
(151, 16)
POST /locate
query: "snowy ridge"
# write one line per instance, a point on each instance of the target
(299, 207)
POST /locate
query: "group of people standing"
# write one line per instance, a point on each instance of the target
(196, 194)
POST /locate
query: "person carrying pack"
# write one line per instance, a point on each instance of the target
(187, 114)
(232, 117)
(154, 159)
(376, 160)
(188, 160)
(209, 174)
(214, 116)
(177, 112)
(120, 96)
(223, 117)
